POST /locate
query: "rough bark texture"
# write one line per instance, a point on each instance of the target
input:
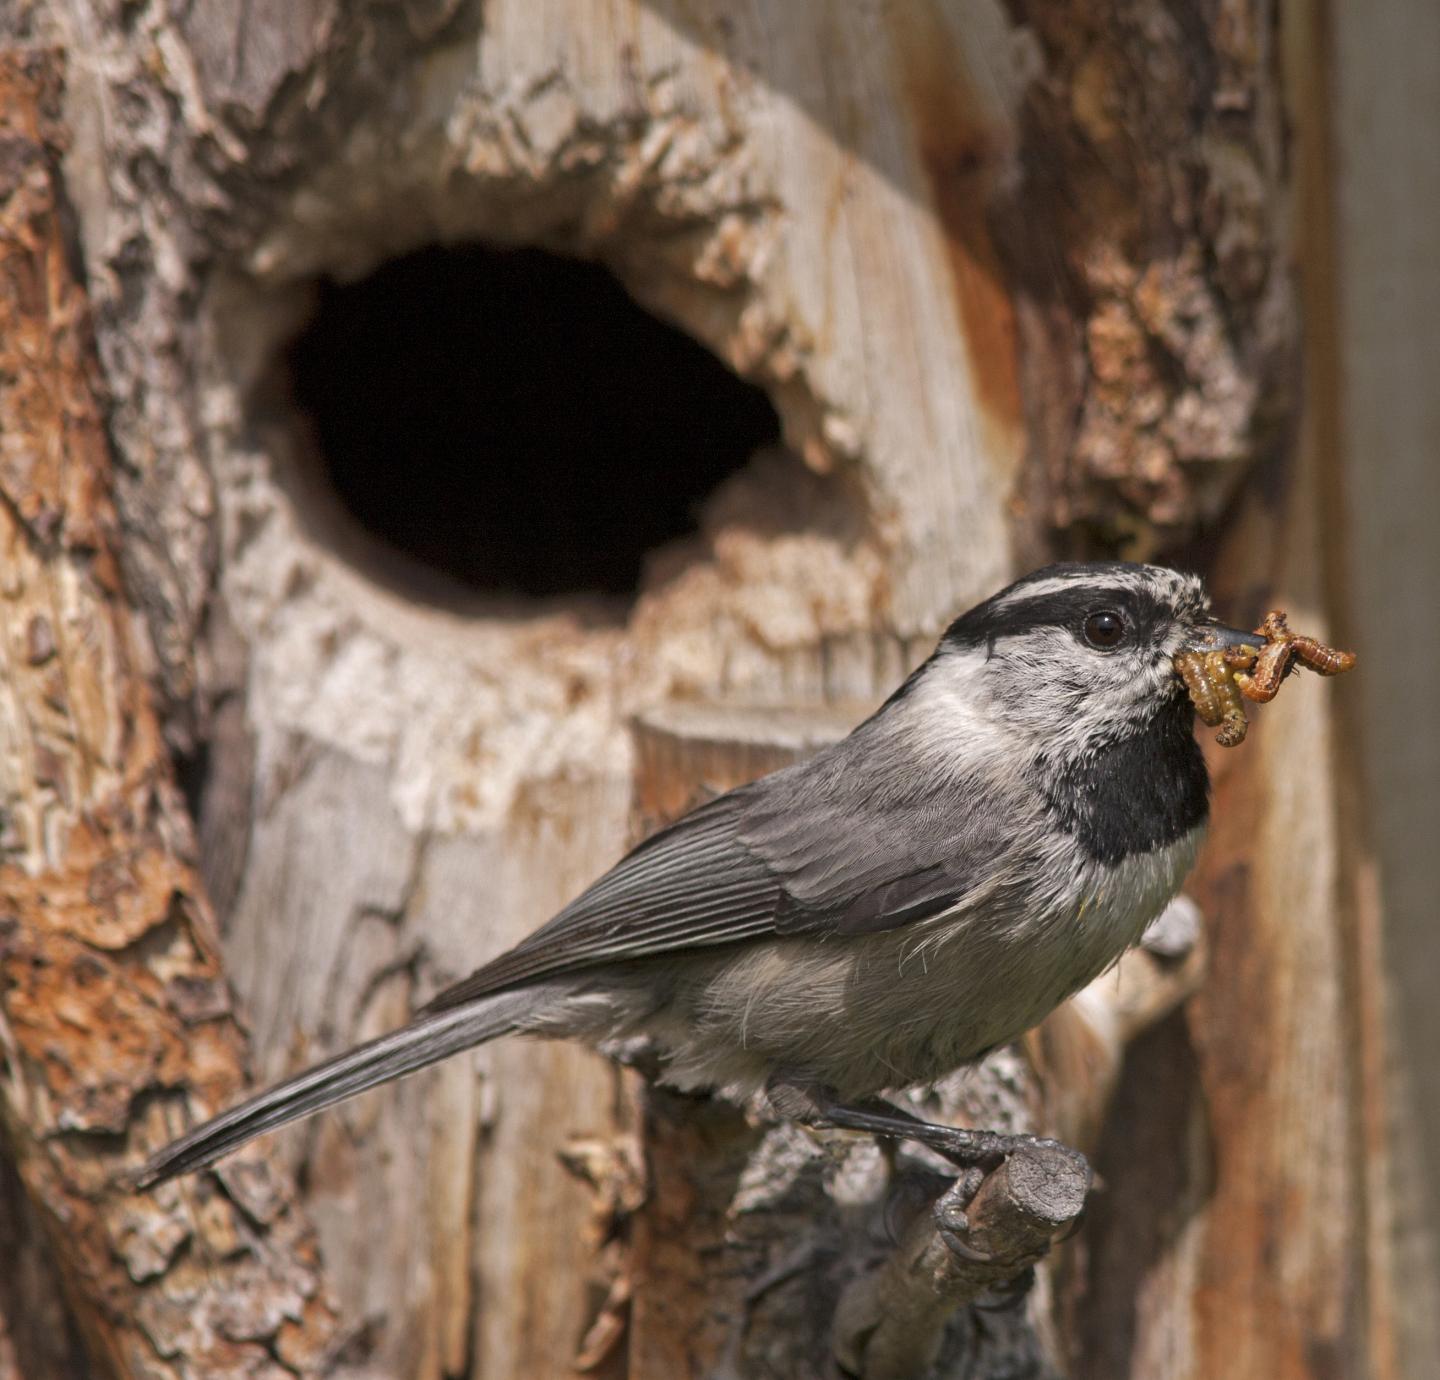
(38, 1332)
(115, 1022)
(1246, 1233)
(1015, 277)
(1149, 271)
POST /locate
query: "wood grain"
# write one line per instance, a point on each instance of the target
(1016, 277)
(115, 1023)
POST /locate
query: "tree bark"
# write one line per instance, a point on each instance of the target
(1016, 278)
(113, 1012)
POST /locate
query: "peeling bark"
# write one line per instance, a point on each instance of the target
(1146, 239)
(115, 1023)
(1016, 278)
(38, 1332)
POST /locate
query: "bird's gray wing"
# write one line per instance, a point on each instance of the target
(692, 884)
(788, 855)
(858, 861)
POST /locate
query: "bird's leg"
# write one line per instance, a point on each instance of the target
(814, 1104)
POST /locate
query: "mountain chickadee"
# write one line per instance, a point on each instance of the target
(996, 835)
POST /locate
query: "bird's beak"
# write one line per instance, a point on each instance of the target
(1214, 637)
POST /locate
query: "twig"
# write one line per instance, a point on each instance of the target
(890, 1325)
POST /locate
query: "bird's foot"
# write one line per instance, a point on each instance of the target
(813, 1104)
(979, 1149)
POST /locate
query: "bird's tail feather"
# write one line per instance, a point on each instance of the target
(426, 1040)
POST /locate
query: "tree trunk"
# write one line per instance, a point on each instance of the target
(113, 998)
(1016, 280)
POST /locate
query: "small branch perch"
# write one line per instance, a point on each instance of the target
(890, 1325)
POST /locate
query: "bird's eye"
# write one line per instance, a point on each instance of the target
(1104, 630)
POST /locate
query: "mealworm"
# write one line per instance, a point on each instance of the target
(1217, 681)
(1326, 661)
(1211, 681)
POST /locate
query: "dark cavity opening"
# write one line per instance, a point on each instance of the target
(513, 419)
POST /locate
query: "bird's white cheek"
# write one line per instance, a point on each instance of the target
(949, 716)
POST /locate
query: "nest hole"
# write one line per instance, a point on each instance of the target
(512, 419)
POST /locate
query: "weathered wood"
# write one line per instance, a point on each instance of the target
(115, 1023)
(1016, 279)
(1144, 246)
(1251, 1210)
(38, 1332)
(1238, 1194)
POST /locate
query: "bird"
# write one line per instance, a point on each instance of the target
(889, 910)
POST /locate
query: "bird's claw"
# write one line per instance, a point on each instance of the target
(986, 1149)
